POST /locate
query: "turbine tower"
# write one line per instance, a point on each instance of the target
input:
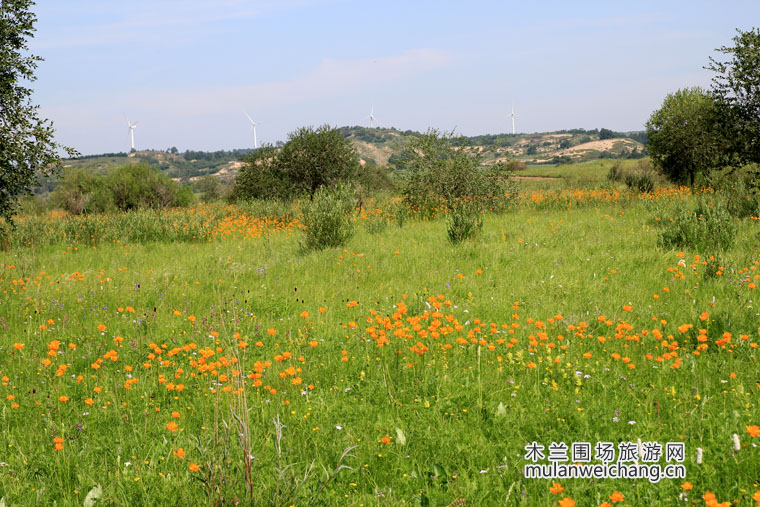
(253, 127)
(132, 127)
(372, 117)
(513, 116)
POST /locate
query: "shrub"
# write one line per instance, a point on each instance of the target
(311, 158)
(465, 221)
(81, 192)
(327, 217)
(616, 172)
(136, 186)
(707, 228)
(640, 181)
(440, 173)
(740, 191)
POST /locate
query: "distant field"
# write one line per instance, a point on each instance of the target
(230, 366)
(580, 174)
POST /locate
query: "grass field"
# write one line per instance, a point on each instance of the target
(400, 370)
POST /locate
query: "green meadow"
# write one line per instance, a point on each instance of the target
(397, 370)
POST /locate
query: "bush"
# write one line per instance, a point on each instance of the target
(327, 217)
(130, 187)
(640, 181)
(440, 174)
(707, 228)
(616, 172)
(81, 192)
(137, 186)
(311, 158)
(464, 222)
(740, 190)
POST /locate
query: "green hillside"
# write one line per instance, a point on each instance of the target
(377, 146)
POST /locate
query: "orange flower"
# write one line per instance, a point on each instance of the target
(172, 426)
(305, 315)
(180, 453)
(177, 313)
(63, 399)
(617, 496)
(587, 355)
(18, 346)
(58, 443)
(322, 309)
(89, 401)
(194, 467)
(385, 440)
(605, 504)
(754, 430)
(101, 328)
(567, 502)
(531, 365)
(627, 308)
(175, 414)
(272, 331)
(704, 316)
(756, 496)
(556, 488)
(686, 486)
(191, 318)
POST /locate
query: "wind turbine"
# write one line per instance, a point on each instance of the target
(253, 127)
(132, 127)
(513, 115)
(372, 117)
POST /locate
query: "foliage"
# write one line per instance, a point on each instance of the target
(683, 138)
(642, 179)
(211, 188)
(737, 90)
(313, 158)
(464, 221)
(261, 177)
(441, 173)
(327, 217)
(26, 141)
(137, 186)
(81, 192)
(616, 172)
(707, 228)
(310, 159)
(740, 190)
(130, 187)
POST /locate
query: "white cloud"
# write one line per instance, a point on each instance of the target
(329, 79)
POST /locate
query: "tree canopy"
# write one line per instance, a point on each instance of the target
(736, 88)
(27, 146)
(311, 158)
(683, 138)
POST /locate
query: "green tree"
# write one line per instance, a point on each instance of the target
(311, 158)
(684, 140)
(260, 177)
(737, 90)
(27, 146)
(317, 157)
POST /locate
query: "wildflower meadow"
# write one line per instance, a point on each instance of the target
(214, 360)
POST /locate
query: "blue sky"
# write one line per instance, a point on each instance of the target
(187, 69)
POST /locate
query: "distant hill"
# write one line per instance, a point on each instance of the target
(377, 146)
